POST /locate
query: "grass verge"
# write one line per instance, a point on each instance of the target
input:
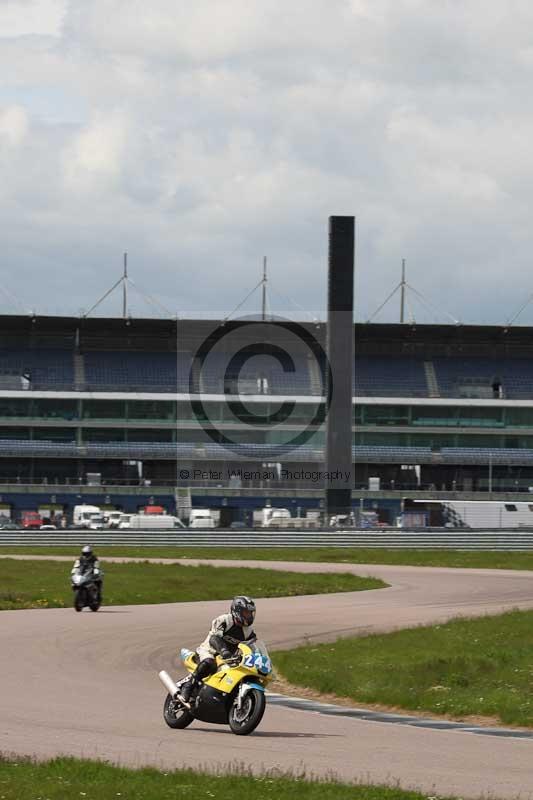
(68, 778)
(46, 584)
(488, 559)
(480, 667)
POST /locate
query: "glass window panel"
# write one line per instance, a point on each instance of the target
(10, 408)
(103, 435)
(104, 409)
(14, 433)
(151, 409)
(150, 435)
(54, 434)
(519, 417)
(386, 415)
(55, 409)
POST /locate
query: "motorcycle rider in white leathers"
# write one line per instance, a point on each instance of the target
(223, 639)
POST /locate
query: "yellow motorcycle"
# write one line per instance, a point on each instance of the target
(234, 695)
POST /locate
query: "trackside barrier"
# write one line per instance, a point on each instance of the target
(394, 540)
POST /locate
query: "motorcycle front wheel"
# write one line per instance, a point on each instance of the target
(246, 719)
(174, 716)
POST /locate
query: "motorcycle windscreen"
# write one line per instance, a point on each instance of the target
(258, 658)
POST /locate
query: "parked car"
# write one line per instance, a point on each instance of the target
(31, 519)
(9, 526)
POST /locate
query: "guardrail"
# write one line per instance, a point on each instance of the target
(510, 540)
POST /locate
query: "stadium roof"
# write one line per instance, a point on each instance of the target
(423, 341)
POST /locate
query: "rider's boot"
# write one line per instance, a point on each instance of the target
(205, 668)
(187, 689)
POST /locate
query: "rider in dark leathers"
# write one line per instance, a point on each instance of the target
(88, 562)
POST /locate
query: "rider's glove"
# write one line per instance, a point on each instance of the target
(226, 654)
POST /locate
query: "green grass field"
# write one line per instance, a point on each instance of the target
(46, 584)
(64, 778)
(421, 558)
(464, 667)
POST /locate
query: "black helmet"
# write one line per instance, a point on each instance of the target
(243, 610)
(87, 550)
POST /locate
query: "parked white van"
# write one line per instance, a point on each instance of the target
(201, 518)
(86, 516)
(113, 518)
(148, 522)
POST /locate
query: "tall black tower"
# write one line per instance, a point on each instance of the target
(340, 351)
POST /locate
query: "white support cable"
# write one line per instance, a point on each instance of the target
(269, 312)
(149, 298)
(250, 293)
(391, 295)
(294, 303)
(101, 300)
(430, 305)
(522, 308)
(426, 306)
(410, 309)
(423, 303)
(12, 299)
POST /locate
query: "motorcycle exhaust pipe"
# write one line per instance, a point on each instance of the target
(168, 683)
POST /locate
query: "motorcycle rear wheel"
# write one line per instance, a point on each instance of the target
(175, 717)
(244, 722)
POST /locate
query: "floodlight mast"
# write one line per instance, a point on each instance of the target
(402, 287)
(402, 296)
(125, 288)
(263, 304)
(126, 281)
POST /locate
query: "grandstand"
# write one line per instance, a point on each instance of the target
(151, 405)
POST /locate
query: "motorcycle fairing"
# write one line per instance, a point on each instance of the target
(227, 677)
(211, 706)
(254, 685)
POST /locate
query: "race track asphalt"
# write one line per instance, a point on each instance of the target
(86, 685)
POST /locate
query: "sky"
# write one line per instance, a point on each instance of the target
(200, 137)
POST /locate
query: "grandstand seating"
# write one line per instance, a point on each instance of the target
(44, 368)
(389, 377)
(379, 376)
(260, 374)
(165, 450)
(479, 377)
(136, 371)
(257, 453)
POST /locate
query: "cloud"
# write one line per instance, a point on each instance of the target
(200, 137)
(13, 125)
(31, 17)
